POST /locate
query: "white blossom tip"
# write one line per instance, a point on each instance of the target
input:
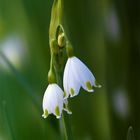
(58, 117)
(68, 111)
(90, 90)
(66, 107)
(89, 86)
(45, 114)
(97, 84)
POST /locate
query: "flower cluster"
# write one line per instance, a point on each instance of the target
(76, 75)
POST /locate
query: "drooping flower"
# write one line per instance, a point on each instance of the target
(76, 75)
(53, 101)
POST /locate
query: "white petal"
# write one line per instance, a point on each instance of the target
(59, 98)
(66, 78)
(74, 83)
(70, 83)
(83, 74)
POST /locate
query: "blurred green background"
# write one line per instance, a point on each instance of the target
(105, 35)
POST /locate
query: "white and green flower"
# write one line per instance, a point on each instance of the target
(76, 75)
(53, 101)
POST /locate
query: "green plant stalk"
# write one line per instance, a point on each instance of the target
(56, 71)
(56, 20)
(65, 124)
(64, 127)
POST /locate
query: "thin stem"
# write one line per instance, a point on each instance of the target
(64, 127)
(51, 61)
(56, 17)
(56, 20)
(65, 124)
(60, 11)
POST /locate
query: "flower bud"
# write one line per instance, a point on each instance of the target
(51, 77)
(61, 40)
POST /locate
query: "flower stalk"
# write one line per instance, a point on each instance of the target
(57, 43)
(76, 74)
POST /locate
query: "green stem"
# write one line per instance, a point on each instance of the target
(65, 124)
(56, 20)
(64, 127)
(63, 130)
(56, 17)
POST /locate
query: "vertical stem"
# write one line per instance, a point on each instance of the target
(64, 132)
(56, 19)
(65, 124)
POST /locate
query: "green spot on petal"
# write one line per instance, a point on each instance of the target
(97, 84)
(45, 115)
(65, 94)
(57, 111)
(72, 91)
(88, 85)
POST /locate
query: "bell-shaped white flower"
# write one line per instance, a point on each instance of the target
(53, 101)
(76, 75)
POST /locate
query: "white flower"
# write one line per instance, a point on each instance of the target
(53, 101)
(76, 75)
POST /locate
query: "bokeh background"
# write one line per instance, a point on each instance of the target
(105, 35)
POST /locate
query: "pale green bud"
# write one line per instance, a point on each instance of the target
(51, 77)
(61, 40)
